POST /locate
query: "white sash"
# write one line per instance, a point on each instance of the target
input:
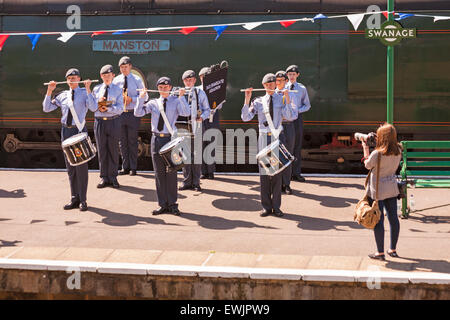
(79, 125)
(163, 114)
(194, 106)
(266, 110)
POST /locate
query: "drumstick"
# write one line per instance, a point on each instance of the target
(243, 90)
(63, 82)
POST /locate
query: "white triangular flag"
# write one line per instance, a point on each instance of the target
(252, 25)
(437, 18)
(152, 29)
(65, 36)
(356, 19)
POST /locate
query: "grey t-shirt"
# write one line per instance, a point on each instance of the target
(387, 187)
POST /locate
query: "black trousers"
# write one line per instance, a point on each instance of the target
(289, 134)
(78, 175)
(107, 135)
(215, 124)
(297, 164)
(129, 140)
(166, 182)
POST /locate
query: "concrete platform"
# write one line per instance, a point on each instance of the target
(219, 228)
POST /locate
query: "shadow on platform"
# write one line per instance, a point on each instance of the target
(219, 223)
(234, 201)
(326, 201)
(419, 265)
(336, 185)
(147, 194)
(5, 243)
(320, 224)
(19, 193)
(125, 220)
(429, 219)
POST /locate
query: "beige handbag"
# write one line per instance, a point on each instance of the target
(366, 215)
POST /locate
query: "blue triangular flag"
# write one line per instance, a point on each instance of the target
(319, 16)
(121, 31)
(402, 16)
(219, 30)
(34, 39)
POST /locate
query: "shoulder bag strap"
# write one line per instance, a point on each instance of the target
(378, 175)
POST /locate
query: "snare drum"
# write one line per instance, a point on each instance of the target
(78, 149)
(173, 154)
(274, 158)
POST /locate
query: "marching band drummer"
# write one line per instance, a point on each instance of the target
(289, 132)
(108, 97)
(199, 111)
(129, 123)
(162, 126)
(275, 109)
(78, 175)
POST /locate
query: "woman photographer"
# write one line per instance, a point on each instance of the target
(390, 152)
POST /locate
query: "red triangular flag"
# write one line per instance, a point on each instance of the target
(2, 40)
(96, 33)
(287, 23)
(186, 31)
(385, 14)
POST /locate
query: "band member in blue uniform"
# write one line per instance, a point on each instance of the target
(289, 132)
(163, 125)
(270, 109)
(301, 101)
(78, 98)
(129, 83)
(109, 99)
(199, 106)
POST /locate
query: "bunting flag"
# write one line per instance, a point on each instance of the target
(65, 36)
(356, 19)
(219, 30)
(121, 31)
(287, 23)
(319, 16)
(252, 25)
(2, 40)
(152, 29)
(188, 30)
(402, 16)
(34, 38)
(386, 14)
(437, 18)
(96, 33)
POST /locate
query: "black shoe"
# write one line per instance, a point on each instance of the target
(72, 204)
(124, 171)
(115, 184)
(185, 188)
(132, 172)
(288, 190)
(102, 184)
(174, 209)
(83, 206)
(197, 188)
(265, 213)
(278, 213)
(377, 256)
(211, 176)
(160, 210)
(298, 178)
(204, 176)
(283, 189)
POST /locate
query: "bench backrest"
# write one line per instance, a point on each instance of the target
(424, 157)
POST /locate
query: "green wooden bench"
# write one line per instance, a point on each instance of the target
(422, 164)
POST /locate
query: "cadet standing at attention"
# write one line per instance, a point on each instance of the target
(129, 83)
(270, 109)
(289, 132)
(301, 101)
(199, 111)
(109, 99)
(172, 107)
(78, 97)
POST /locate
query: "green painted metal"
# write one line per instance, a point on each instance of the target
(412, 155)
(390, 71)
(420, 183)
(428, 164)
(426, 144)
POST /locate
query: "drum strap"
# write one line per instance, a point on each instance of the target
(164, 116)
(79, 125)
(275, 132)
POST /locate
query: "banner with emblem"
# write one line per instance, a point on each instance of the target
(215, 85)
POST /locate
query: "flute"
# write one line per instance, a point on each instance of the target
(151, 90)
(243, 90)
(63, 82)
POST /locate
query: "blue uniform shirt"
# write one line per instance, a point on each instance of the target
(291, 97)
(300, 98)
(202, 103)
(81, 104)
(280, 111)
(175, 106)
(114, 95)
(133, 83)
